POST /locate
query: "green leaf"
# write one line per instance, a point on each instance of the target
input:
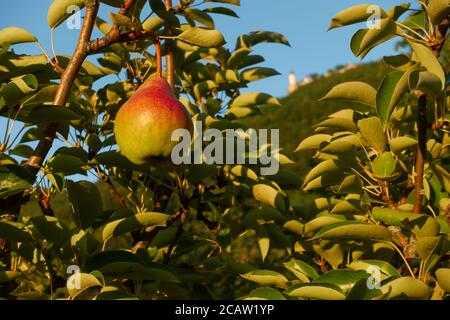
(301, 270)
(257, 37)
(373, 133)
(402, 143)
(344, 279)
(6, 276)
(14, 35)
(375, 36)
(427, 59)
(426, 82)
(391, 90)
(313, 142)
(270, 196)
(86, 202)
(199, 16)
(352, 230)
(80, 282)
(58, 11)
(250, 99)
(320, 291)
(406, 288)
(152, 24)
(386, 269)
(14, 91)
(121, 226)
(438, 10)
(265, 294)
(9, 231)
(354, 91)
(233, 2)
(49, 114)
(352, 15)
(393, 217)
(14, 179)
(443, 278)
(258, 73)
(221, 10)
(384, 166)
(267, 278)
(202, 37)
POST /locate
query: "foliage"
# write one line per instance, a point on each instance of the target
(221, 231)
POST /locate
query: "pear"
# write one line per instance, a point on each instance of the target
(144, 124)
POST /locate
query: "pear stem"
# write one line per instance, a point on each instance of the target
(158, 58)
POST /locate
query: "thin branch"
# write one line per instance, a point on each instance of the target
(421, 152)
(67, 79)
(170, 64)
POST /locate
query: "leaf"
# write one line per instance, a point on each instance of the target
(438, 10)
(402, 143)
(352, 230)
(14, 91)
(383, 167)
(199, 16)
(443, 278)
(257, 37)
(354, 91)
(270, 196)
(250, 99)
(324, 167)
(386, 269)
(15, 35)
(121, 226)
(221, 10)
(344, 279)
(160, 9)
(258, 73)
(9, 231)
(86, 202)
(352, 15)
(391, 90)
(50, 114)
(320, 291)
(313, 142)
(426, 82)
(375, 36)
(79, 282)
(393, 217)
(406, 287)
(6, 276)
(301, 270)
(202, 37)
(372, 132)
(233, 2)
(427, 59)
(58, 11)
(266, 294)
(14, 179)
(266, 278)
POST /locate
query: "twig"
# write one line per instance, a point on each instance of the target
(421, 152)
(67, 79)
(182, 216)
(170, 64)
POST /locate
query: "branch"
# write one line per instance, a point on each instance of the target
(67, 79)
(170, 64)
(421, 152)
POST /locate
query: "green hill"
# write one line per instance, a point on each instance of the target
(302, 109)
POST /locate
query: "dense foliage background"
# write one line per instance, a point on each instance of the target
(359, 210)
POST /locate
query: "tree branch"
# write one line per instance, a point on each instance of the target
(67, 79)
(170, 64)
(421, 152)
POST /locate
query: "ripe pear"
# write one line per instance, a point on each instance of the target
(144, 124)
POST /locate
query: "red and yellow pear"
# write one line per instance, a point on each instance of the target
(144, 124)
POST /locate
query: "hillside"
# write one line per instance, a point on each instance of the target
(302, 109)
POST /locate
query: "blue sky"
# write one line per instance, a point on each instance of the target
(303, 22)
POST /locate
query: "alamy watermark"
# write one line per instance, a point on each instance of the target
(234, 146)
